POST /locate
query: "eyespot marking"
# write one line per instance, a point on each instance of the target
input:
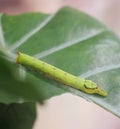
(90, 88)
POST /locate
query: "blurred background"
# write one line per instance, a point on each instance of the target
(68, 111)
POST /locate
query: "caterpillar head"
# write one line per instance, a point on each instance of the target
(91, 88)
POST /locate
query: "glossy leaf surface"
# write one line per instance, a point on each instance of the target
(72, 41)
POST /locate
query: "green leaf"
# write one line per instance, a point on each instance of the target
(13, 89)
(17, 116)
(72, 41)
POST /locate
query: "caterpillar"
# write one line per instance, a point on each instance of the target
(57, 74)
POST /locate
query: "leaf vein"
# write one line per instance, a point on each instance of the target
(2, 40)
(31, 33)
(65, 45)
(100, 70)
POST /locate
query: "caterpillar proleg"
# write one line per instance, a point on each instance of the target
(55, 73)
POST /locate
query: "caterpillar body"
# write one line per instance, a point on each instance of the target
(55, 73)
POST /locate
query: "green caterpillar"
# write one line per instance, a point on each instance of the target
(57, 74)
